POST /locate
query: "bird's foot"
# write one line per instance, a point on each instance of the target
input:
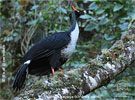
(63, 70)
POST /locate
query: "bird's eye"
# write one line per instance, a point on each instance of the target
(84, 11)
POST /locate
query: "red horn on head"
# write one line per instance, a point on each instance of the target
(74, 8)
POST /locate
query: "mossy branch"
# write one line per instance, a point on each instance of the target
(96, 73)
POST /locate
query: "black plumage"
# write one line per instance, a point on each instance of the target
(46, 55)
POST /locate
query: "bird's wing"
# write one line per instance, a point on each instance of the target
(47, 47)
(42, 54)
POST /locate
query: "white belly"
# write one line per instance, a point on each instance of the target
(67, 52)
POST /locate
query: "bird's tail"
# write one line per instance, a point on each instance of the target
(20, 77)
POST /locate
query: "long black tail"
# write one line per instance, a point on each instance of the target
(20, 77)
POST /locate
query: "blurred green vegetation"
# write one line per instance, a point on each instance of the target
(24, 22)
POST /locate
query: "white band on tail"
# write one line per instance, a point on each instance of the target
(27, 62)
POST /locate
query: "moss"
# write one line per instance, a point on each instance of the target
(92, 68)
(105, 51)
(57, 74)
(107, 54)
(129, 37)
(39, 82)
(98, 63)
(120, 58)
(118, 46)
(57, 83)
(74, 73)
(74, 76)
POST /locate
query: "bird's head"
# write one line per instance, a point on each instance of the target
(78, 12)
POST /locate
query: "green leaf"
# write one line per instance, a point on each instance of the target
(106, 44)
(61, 10)
(93, 18)
(90, 12)
(123, 26)
(88, 17)
(117, 7)
(8, 39)
(93, 6)
(85, 16)
(124, 19)
(66, 18)
(32, 22)
(90, 27)
(107, 37)
(34, 7)
(102, 17)
(41, 19)
(103, 21)
(100, 11)
(85, 1)
(15, 34)
(131, 14)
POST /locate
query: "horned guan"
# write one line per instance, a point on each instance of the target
(47, 55)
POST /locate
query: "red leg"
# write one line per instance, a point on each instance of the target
(52, 71)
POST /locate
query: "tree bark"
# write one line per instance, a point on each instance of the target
(83, 80)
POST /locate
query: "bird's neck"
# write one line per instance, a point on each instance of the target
(73, 22)
(74, 30)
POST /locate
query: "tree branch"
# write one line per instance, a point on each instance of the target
(96, 73)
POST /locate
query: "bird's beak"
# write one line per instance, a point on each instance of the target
(74, 8)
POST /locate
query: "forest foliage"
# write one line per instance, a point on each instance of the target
(24, 22)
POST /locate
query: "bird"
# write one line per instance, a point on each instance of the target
(49, 54)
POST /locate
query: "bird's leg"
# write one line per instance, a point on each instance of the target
(52, 71)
